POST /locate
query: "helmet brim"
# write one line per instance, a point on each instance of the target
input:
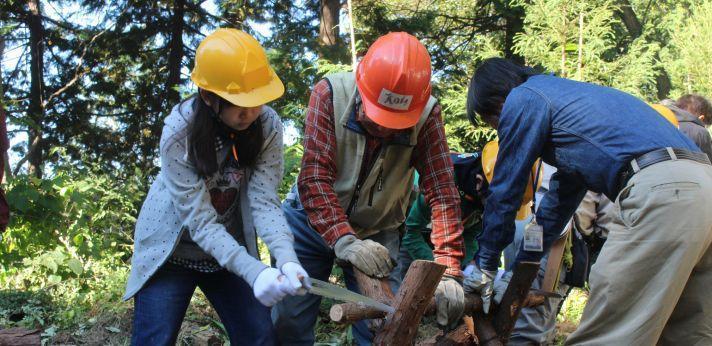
(258, 96)
(391, 119)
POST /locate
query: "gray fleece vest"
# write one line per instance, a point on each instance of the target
(380, 203)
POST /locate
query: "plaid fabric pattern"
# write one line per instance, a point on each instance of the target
(430, 158)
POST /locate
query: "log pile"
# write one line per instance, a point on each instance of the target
(415, 299)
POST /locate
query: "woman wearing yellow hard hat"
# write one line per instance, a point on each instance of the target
(221, 164)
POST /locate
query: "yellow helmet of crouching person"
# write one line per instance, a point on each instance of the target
(667, 113)
(489, 159)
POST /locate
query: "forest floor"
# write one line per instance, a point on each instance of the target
(110, 322)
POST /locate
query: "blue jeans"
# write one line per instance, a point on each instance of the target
(295, 316)
(159, 307)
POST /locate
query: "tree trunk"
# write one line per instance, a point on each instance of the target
(4, 144)
(563, 39)
(329, 27)
(175, 56)
(635, 29)
(514, 18)
(579, 64)
(35, 111)
(352, 36)
(630, 20)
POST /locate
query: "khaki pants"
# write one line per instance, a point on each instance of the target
(652, 283)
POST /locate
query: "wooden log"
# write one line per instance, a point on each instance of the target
(460, 336)
(553, 264)
(413, 298)
(19, 337)
(347, 313)
(402, 324)
(470, 324)
(533, 300)
(507, 312)
(484, 331)
(378, 289)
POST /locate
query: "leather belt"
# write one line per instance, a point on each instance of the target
(656, 156)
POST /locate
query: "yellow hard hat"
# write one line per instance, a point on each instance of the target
(489, 159)
(233, 65)
(666, 113)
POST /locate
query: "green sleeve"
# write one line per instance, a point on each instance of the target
(417, 221)
(469, 237)
(419, 214)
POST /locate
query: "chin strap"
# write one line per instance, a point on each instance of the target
(234, 148)
(216, 116)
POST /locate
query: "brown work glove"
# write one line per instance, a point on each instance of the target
(368, 256)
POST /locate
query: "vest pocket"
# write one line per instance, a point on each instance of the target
(379, 186)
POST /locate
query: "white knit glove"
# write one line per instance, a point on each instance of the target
(297, 279)
(269, 287)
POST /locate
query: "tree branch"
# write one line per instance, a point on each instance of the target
(78, 69)
(30, 150)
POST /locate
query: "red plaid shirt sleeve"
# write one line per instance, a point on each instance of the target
(318, 173)
(431, 158)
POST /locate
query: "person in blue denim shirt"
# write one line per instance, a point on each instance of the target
(648, 284)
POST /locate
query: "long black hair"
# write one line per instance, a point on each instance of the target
(491, 84)
(207, 127)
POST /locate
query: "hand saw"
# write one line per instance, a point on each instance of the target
(332, 291)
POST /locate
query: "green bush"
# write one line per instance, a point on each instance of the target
(69, 239)
(74, 215)
(26, 309)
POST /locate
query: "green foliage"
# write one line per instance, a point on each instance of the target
(76, 214)
(25, 308)
(577, 40)
(690, 56)
(107, 89)
(462, 136)
(69, 238)
(57, 296)
(326, 67)
(292, 164)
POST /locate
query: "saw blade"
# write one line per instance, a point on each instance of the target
(329, 290)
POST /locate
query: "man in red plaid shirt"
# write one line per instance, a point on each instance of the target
(365, 135)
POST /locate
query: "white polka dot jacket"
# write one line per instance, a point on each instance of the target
(179, 201)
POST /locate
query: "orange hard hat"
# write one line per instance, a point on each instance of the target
(394, 80)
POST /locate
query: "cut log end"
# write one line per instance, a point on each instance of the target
(351, 312)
